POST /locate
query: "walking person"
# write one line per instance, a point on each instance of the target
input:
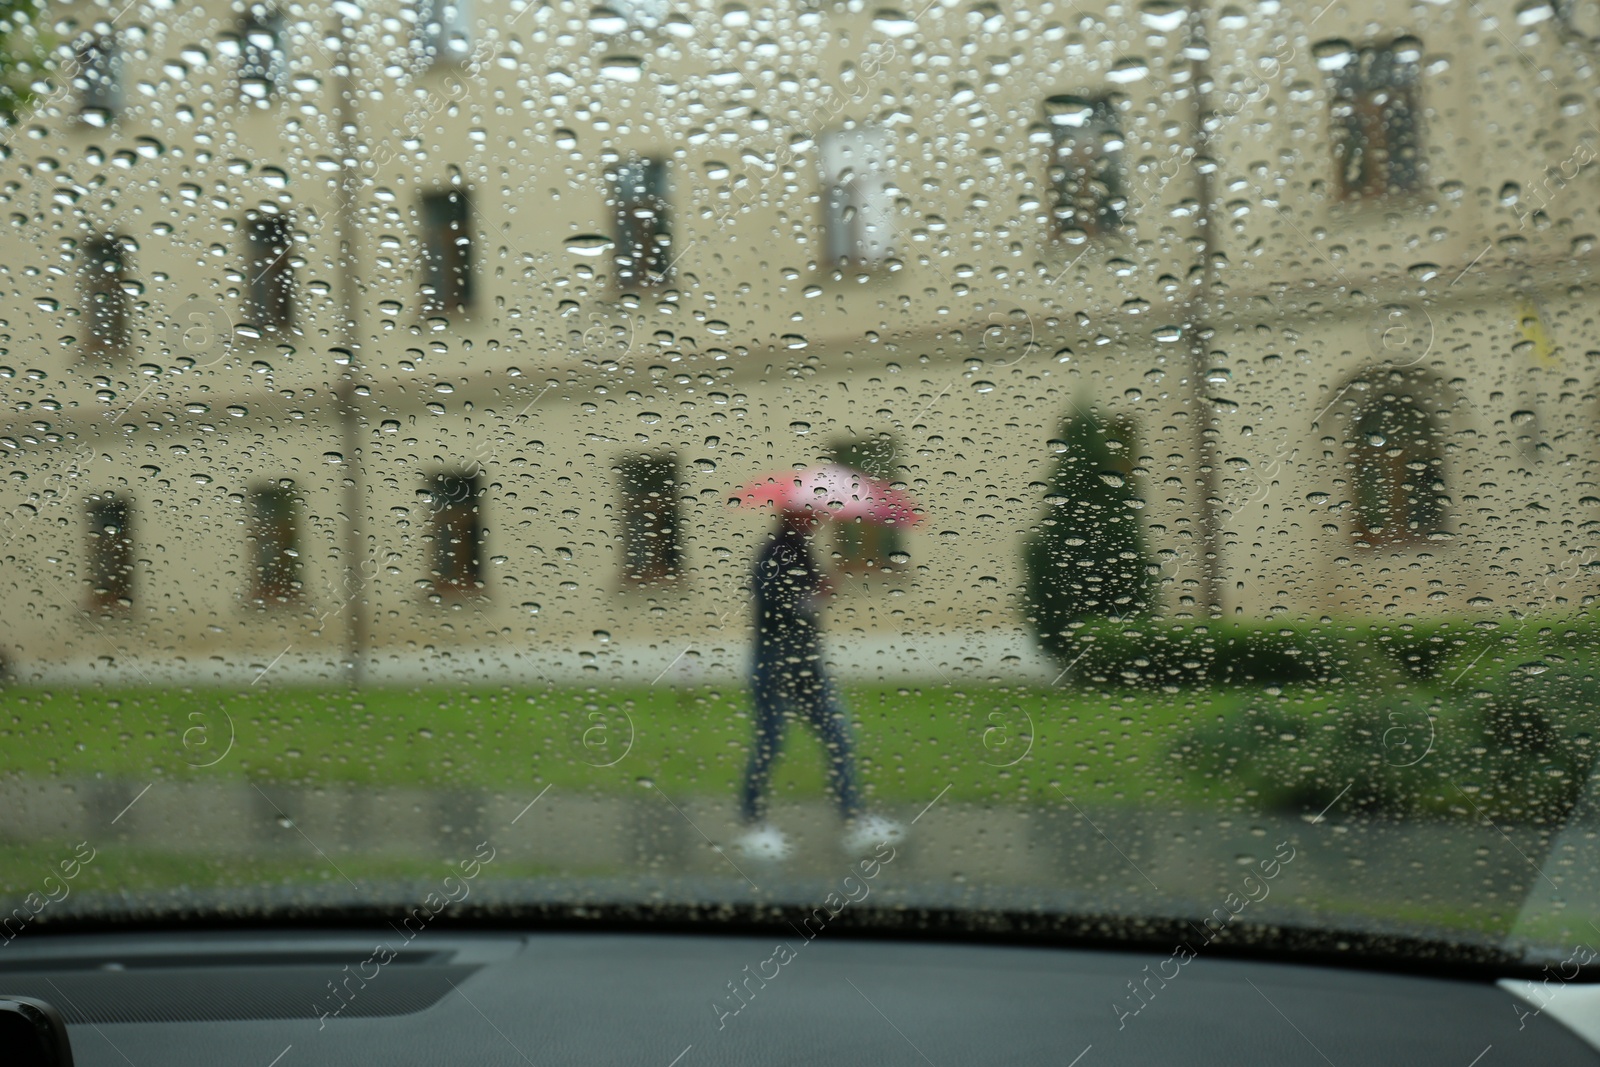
(790, 681)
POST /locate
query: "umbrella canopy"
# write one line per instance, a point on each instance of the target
(832, 491)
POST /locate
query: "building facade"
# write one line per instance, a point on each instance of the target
(436, 338)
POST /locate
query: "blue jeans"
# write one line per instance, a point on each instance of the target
(785, 690)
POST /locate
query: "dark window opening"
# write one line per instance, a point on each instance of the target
(651, 522)
(1398, 471)
(447, 261)
(107, 303)
(262, 60)
(866, 546)
(98, 79)
(644, 236)
(109, 521)
(444, 30)
(269, 278)
(1086, 174)
(457, 532)
(275, 543)
(1377, 122)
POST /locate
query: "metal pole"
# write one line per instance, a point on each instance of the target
(1203, 413)
(357, 637)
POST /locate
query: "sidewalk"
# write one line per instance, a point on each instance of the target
(1142, 861)
(972, 657)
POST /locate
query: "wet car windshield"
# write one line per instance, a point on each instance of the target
(1110, 459)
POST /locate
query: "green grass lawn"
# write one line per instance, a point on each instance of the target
(911, 742)
(1098, 747)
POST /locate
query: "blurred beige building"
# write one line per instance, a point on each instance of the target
(443, 334)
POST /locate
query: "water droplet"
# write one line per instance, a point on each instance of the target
(1128, 71)
(1533, 12)
(622, 68)
(1334, 54)
(589, 244)
(893, 23)
(1163, 16)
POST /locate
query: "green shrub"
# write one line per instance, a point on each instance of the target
(1380, 737)
(1166, 654)
(1435, 719)
(1155, 652)
(1087, 559)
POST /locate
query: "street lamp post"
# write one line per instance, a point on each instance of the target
(357, 638)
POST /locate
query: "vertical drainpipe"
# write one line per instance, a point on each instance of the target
(356, 632)
(1203, 413)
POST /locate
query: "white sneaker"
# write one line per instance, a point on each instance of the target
(866, 832)
(765, 843)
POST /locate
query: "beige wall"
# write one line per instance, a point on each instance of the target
(968, 348)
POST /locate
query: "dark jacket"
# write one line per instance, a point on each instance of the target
(787, 585)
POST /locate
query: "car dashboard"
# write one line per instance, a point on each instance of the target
(309, 997)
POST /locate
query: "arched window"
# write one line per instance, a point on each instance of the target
(1398, 458)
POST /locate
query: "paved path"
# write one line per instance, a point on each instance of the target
(1137, 860)
(972, 657)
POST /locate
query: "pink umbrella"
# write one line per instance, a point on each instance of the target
(833, 491)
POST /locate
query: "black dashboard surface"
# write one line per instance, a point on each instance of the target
(545, 999)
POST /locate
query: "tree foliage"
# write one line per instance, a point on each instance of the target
(1088, 558)
(22, 58)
